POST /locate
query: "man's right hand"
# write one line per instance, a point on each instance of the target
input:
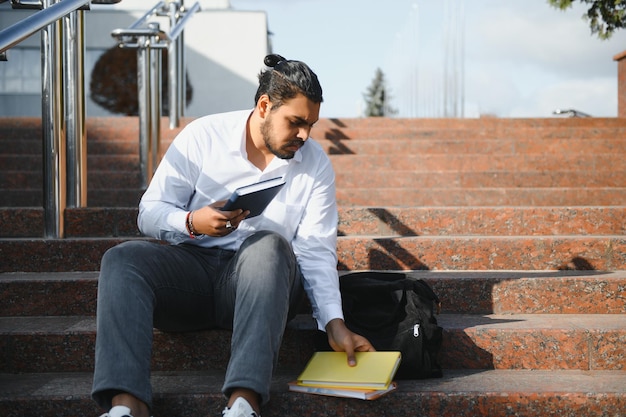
(212, 221)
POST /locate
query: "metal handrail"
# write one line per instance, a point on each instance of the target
(63, 98)
(32, 24)
(63, 102)
(150, 40)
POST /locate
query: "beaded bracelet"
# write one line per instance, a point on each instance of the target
(189, 224)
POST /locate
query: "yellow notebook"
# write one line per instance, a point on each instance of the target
(374, 370)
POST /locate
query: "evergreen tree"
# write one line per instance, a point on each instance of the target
(605, 16)
(376, 97)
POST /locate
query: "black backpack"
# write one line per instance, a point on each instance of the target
(395, 311)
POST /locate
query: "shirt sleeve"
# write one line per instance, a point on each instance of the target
(163, 207)
(315, 246)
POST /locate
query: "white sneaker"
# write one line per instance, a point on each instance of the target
(118, 411)
(240, 408)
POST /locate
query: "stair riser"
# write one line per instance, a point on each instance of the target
(129, 146)
(400, 162)
(563, 124)
(478, 162)
(494, 221)
(17, 180)
(372, 221)
(483, 253)
(464, 293)
(463, 348)
(467, 197)
(95, 198)
(94, 162)
(356, 253)
(421, 180)
(430, 404)
(389, 197)
(384, 146)
(73, 351)
(470, 132)
(20, 180)
(534, 349)
(505, 146)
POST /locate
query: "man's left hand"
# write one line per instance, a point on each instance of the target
(341, 339)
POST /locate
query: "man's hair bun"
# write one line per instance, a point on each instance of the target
(273, 60)
(284, 79)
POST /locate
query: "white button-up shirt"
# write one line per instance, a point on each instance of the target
(208, 160)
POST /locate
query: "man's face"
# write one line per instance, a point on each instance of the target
(287, 127)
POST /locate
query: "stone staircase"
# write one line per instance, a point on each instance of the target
(519, 226)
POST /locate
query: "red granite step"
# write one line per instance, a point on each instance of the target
(354, 253)
(461, 292)
(66, 344)
(476, 221)
(362, 221)
(482, 179)
(97, 128)
(481, 196)
(96, 180)
(491, 146)
(384, 197)
(372, 196)
(563, 125)
(548, 341)
(13, 162)
(482, 253)
(408, 146)
(456, 131)
(105, 197)
(474, 162)
(479, 393)
(480, 162)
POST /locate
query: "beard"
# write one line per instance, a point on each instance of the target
(282, 152)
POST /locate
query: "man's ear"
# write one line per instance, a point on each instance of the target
(264, 105)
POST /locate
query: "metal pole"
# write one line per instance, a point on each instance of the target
(143, 95)
(76, 138)
(172, 64)
(156, 91)
(52, 129)
(182, 75)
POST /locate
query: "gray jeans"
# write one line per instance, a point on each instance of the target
(143, 285)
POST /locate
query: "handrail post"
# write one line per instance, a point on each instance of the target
(149, 43)
(181, 75)
(74, 92)
(156, 92)
(53, 127)
(149, 102)
(173, 58)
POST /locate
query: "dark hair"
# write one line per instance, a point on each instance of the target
(285, 79)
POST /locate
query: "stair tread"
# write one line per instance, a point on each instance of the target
(573, 322)
(428, 275)
(78, 384)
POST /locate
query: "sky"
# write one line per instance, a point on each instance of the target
(461, 58)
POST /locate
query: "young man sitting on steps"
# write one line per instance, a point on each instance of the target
(220, 268)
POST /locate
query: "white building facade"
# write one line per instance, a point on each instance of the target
(224, 51)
